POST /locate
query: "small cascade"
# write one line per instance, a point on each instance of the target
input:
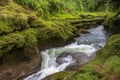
(57, 59)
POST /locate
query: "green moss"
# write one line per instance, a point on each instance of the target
(10, 42)
(62, 75)
(92, 15)
(17, 21)
(17, 39)
(114, 64)
(38, 23)
(30, 36)
(62, 17)
(86, 76)
(48, 8)
(5, 27)
(100, 70)
(112, 23)
(61, 30)
(112, 47)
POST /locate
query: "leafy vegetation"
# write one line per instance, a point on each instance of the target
(112, 23)
(48, 8)
(112, 47)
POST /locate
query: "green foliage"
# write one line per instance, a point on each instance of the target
(112, 23)
(18, 40)
(30, 37)
(100, 70)
(86, 76)
(62, 30)
(10, 42)
(16, 26)
(88, 5)
(112, 47)
(47, 8)
(62, 75)
(44, 8)
(38, 23)
(15, 20)
(4, 27)
(114, 64)
(58, 25)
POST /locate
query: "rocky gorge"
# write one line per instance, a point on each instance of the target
(29, 27)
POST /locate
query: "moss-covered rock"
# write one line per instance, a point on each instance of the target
(5, 27)
(113, 23)
(63, 75)
(100, 70)
(17, 21)
(112, 47)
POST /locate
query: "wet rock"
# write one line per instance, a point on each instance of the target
(19, 64)
(79, 63)
(83, 31)
(79, 58)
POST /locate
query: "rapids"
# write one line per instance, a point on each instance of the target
(86, 44)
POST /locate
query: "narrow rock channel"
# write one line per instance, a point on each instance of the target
(77, 53)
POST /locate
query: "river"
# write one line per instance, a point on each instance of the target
(80, 52)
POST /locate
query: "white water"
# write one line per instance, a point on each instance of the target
(49, 66)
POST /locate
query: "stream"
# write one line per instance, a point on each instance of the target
(80, 52)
